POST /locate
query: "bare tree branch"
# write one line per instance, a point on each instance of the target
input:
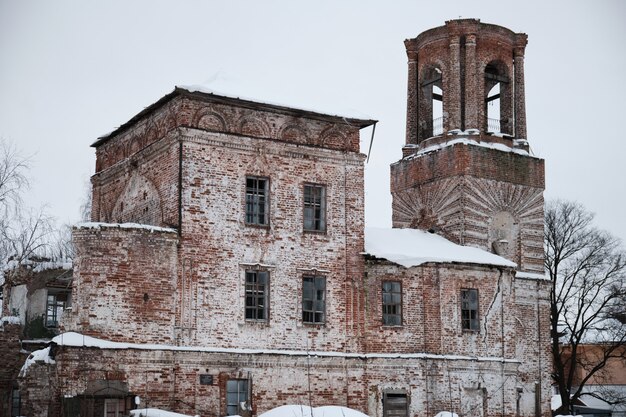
(588, 272)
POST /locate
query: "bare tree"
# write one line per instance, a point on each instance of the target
(24, 234)
(588, 272)
(13, 180)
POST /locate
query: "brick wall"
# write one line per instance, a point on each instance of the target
(125, 284)
(11, 359)
(474, 196)
(171, 380)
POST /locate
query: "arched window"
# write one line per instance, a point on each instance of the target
(431, 103)
(498, 111)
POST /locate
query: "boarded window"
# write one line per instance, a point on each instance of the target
(257, 200)
(237, 397)
(314, 299)
(469, 309)
(314, 208)
(392, 303)
(395, 405)
(257, 295)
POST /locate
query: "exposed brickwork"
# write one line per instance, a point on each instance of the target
(126, 284)
(11, 360)
(463, 55)
(183, 163)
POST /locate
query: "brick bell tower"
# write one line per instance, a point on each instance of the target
(466, 171)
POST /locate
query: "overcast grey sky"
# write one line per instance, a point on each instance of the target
(71, 71)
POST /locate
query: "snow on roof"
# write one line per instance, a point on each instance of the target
(155, 412)
(65, 264)
(231, 90)
(42, 355)
(306, 411)
(532, 275)
(446, 414)
(79, 340)
(412, 247)
(95, 225)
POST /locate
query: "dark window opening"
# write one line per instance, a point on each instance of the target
(469, 310)
(257, 200)
(257, 295)
(392, 303)
(16, 403)
(237, 397)
(314, 208)
(314, 299)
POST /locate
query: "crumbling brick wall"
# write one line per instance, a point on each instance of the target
(125, 283)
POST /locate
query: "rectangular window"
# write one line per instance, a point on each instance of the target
(54, 308)
(314, 208)
(395, 405)
(257, 295)
(16, 403)
(257, 200)
(469, 309)
(237, 399)
(314, 299)
(392, 303)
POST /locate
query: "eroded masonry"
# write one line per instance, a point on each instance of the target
(228, 269)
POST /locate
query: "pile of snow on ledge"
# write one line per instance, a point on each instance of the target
(446, 414)
(306, 411)
(148, 227)
(412, 247)
(155, 412)
(42, 355)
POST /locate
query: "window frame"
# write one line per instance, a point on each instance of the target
(266, 296)
(52, 316)
(319, 224)
(398, 304)
(252, 204)
(314, 311)
(241, 382)
(470, 323)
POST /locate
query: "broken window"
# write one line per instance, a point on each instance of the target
(55, 305)
(392, 303)
(314, 299)
(257, 200)
(237, 397)
(314, 207)
(257, 295)
(469, 309)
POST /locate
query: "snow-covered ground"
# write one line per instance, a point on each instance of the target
(155, 412)
(306, 411)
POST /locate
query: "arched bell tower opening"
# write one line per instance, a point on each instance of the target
(431, 102)
(466, 172)
(498, 110)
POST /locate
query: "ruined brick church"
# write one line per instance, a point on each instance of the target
(228, 270)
